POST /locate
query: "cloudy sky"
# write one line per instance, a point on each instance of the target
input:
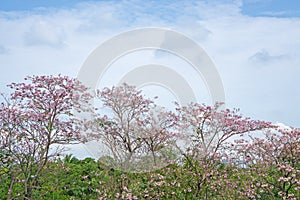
(255, 44)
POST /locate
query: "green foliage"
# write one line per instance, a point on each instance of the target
(71, 178)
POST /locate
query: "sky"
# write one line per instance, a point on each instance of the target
(254, 44)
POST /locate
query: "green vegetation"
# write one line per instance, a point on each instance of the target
(70, 178)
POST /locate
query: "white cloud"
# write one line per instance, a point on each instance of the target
(59, 40)
(42, 32)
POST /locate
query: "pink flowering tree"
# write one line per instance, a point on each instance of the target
(38, 117)
(159, 135)
(206, 129)
(134, 129)
(274, 161)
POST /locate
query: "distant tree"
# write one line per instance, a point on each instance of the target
(39, 115)
(135, 129)
(159, 135)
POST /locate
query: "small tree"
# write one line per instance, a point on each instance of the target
(38, 115)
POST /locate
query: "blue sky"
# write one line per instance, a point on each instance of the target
(19, 5)
(286, 8)
(254, 44)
